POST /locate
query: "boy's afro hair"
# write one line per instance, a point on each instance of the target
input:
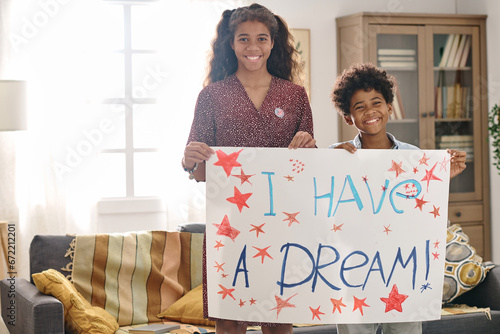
(361, 76)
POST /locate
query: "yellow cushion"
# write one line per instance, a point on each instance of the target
(464, 269)
(79, 315)
(188, 309)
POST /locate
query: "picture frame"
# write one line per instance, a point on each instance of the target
(302, 39)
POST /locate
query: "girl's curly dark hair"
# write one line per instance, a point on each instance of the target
(361, 76)
(283, 60)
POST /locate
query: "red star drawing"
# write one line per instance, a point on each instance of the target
(242, 303)
(226, 292)
(252, 301)
(436, 255)
(239, 199)
(423, 161)
(443, 164)
(263, 252)
(358, 304)
(365, 178)
(396, 167)
(436, 244)
(415, 170)
(281, 304)
(337, 303)
(243, 177)
(384, 188)
(337, 227)
(394, 301)
(316, 312)
(226, 229)
(219, 266)
(429, 176)
(298, 166)
(224, 275)
(289, 178)
(228, 162)
(219, 244)
(291, 218)
(420, 203)
(435, 212)
(257, 229)
(386, 229)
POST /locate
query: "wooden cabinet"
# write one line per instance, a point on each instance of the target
(439, 62)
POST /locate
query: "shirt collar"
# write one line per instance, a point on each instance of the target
(357, 141)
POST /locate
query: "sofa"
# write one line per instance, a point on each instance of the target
(26, 310)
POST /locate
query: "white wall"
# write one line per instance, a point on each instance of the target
(319, 16)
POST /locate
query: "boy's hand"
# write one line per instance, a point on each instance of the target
(302, 139)
(348, 147)
(457, 162)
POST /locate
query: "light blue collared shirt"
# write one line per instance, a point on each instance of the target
(398, 145)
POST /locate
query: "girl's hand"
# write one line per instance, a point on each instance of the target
(196, 153)
(348, 147)
(457, 162)
(302, 139)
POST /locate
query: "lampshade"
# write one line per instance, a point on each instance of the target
(12, 105)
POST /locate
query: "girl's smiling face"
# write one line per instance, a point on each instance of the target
(252, 46)
(369, 112)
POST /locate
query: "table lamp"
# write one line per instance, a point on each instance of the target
(12, 118)
(13, 105)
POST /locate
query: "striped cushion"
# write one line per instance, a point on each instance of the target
(135, 276)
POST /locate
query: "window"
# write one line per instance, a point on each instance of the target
(131, 162)
(112, 86)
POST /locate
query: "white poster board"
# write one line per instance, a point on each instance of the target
(325, 236)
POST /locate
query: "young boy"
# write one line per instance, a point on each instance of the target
(363, 95)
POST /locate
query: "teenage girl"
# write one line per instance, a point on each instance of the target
(250, 99)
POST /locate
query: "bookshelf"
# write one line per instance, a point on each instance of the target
(439, 62)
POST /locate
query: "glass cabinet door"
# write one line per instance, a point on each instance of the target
(453, 104)
(398, 54)
(436, 73)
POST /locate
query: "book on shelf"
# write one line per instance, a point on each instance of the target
(438, 102)
(467, 102)
(458, 101)
(398, 103)
(398, 112)
(446, 50)
(457, 138)
(452, 101)
(465, 53)
(453, 51)
(154, 329)
(402, 64)
(458, 142)
(396, 58)
(455, 108)
(397, 109)
(460, 50)
(438, 96)
(396, 52)
(456, 51)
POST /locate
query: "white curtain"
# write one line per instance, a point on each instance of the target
(56, 47)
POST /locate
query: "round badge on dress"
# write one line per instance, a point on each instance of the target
(279, 112)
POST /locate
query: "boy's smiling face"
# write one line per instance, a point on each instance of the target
(369, 112)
